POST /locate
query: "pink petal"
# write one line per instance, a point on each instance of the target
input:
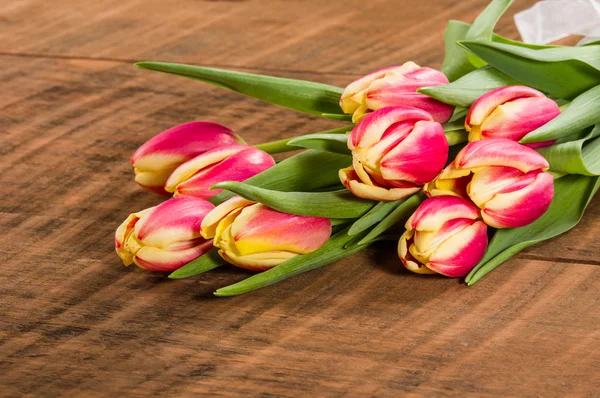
(515, 119)
(156, 259)
(238, 167)
(522, 207)
(200, 162)
(175, 220)
(210, 221)
(180, 143)
(485, 105)
(434, 212)
(500, 152)
(489, 181)
(259, 229)
(350, 104)
(429, 240)
(458, 254)
(419, 157)
(370, 129)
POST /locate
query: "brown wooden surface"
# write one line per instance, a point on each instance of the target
(75, 322)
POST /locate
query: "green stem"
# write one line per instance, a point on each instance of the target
(281, 146)
(278, 146)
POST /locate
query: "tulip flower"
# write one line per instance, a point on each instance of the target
(154, 161)
(164, 237)
(510, 112)
(227, 163)
(505, 179)
(395, 150)
(443, 236)
(253, 236)
(396, 85)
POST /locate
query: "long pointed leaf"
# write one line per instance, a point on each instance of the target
(583, 112)
(330, 252)
(373, 216)
(336, 143)
(307, 171)
(299, 95)
(457, 62)
(282, 145)
(339, 204)
(464, 91)
(204, 263)
(572, 194)
(575, 157)
(563, 72)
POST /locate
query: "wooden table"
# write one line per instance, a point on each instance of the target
(75, 322)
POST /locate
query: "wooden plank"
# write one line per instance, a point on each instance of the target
(352, 36)
(77, 323)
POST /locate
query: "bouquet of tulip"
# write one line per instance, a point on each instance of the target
(496, 152)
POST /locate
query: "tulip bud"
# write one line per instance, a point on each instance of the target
(395, 150)
(164, 237)
(396, 85)
(253, 236)
(510, 112)
(443, 236)
(154, 161)
(227, 163)
(505, 179)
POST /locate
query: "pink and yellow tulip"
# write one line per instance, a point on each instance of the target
(396, 85)
(443, 236)
(395, 150)
(253, 236)
(154, 161)
(510, 112)
(164, 237)
(227, 163)
(505, 179)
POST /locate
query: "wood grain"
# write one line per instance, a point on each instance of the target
(77, 323)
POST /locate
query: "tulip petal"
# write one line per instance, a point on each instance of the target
(458, 254)
(257, 261)
(154, 181)
(259, 229)
(370, 129)
(393, 136)
(181, 143)
(485, 105)
(500, 152)
(348, 101)
(238, 167)
(156, 259)
(434, 212)
(175, 220)
(350, 179)
(212, 219)
(490, 181)
(521, 207)
(427, 241)
(406, 257)
(193, 166)
(515, 119)
(419, 157)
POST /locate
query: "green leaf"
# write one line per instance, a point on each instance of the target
(575, 157)
(464, 91)
(280, 146)
(373, 216)
(307, 171)
(299, 95)
(338, 204)
(583, 112)
(400, 213)
(563, 72)
(589, 41)
(330, 252)
(333, 116)
(325, 142)
(457, 62)
(572, 194)
(206, 262)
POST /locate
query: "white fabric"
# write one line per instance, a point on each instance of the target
(551, 20)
